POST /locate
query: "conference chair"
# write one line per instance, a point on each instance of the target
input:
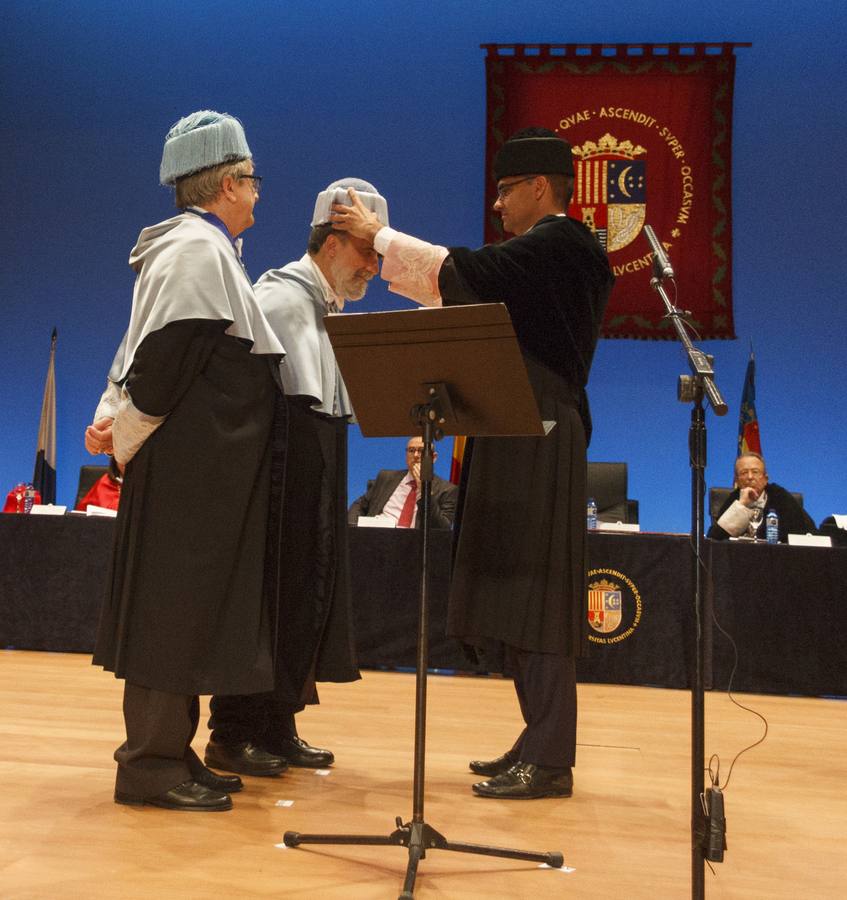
(608, 485)
(87, 476)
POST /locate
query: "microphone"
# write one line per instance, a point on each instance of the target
(661, 264)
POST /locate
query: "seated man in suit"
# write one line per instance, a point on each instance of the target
(397, 493)
(753, 494)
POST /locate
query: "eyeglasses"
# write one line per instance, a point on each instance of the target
(256, 179)
(415, 451)
(503, 190)
(754, 472)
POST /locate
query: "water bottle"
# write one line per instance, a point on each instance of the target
(591, 514)
(29, 497)
(772, 527)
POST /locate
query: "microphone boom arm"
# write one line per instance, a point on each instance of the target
(697, 360)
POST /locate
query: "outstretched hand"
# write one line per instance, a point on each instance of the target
(357, 219)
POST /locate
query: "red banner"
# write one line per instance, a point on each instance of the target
(651, 127)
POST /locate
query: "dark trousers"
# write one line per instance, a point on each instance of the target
(546, 687)
(256, 718)
(263, 719)
(156, 755)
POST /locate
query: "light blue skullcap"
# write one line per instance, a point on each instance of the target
(203, 139)
(337, 193)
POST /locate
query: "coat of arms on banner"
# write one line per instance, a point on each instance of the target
(604, 606)
(610, 190)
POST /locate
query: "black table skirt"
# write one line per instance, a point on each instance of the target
(52, 580)
(786, 608)
(783, 605)
(648, 647)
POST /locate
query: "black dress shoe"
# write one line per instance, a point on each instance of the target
(492, 767)
(245, 758)
(296, 752)
(226, 784)
(188, 796)
(526, 781)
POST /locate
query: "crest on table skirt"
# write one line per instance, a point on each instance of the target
(614, 606)
(604, 606)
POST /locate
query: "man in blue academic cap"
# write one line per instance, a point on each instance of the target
(186, 609)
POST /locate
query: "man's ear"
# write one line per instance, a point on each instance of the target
(331, 244)
(228, 183)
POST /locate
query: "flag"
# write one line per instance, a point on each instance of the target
(456, 461)
(748, 421)
(44, 477)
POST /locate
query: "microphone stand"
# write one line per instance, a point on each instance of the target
(692, 388)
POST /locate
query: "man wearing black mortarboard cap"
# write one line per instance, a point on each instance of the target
(519, 573)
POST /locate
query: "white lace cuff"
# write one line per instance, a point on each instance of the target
(131, 429)
(110, 399)
(736, 519)
(411, 266)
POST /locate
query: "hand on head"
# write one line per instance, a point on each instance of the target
(357, 219)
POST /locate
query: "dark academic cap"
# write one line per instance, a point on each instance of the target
(533, 156)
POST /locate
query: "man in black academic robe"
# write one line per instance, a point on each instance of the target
(519, 572)
(754, 492)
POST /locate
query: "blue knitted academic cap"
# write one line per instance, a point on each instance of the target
(337, 193)
(203, 139)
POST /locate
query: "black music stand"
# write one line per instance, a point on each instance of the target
(456, 370)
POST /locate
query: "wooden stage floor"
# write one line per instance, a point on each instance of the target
(624, 834)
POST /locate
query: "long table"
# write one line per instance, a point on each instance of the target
(784, 606)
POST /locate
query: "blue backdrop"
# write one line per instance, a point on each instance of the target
(396, 95)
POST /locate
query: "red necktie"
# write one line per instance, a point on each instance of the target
(408, 511)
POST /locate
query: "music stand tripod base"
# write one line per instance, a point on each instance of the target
(420, 837)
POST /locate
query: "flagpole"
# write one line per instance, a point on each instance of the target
(44, 475)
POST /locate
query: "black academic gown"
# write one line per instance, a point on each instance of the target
(519, 569)
(316, 639)
(314, 625)
(186, 611)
